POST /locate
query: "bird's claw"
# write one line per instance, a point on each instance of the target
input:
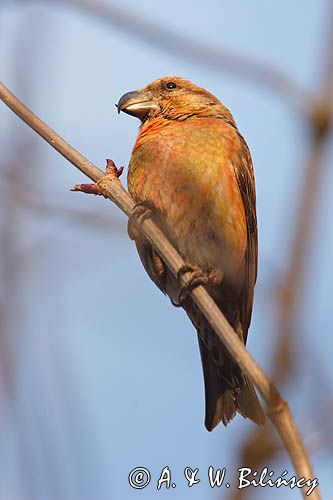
(141, 211)
(195, 277)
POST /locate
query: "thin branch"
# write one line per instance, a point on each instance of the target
(110, 186)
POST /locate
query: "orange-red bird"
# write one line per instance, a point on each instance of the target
(193, 169)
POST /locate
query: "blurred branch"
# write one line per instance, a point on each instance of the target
(198, 53)
(16, 259)
(260, 447)
(320, 127)
(94, 220)
(319, 427)
(110, 186)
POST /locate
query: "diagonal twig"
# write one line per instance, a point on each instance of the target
(110, 186)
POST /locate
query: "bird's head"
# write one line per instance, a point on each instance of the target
(172, 98)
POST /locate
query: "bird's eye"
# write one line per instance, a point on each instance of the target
(171, 85)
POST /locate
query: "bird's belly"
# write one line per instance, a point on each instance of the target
(199, 205)
(205, 241)
(213, 238)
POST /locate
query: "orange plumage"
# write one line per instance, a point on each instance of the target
(194, 170)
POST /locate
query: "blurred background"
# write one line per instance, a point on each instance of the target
(99, 374)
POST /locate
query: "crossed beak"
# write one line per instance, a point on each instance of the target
(139, 103)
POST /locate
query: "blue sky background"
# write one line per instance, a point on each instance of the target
(107, 373)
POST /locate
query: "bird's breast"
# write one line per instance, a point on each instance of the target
(186, 172)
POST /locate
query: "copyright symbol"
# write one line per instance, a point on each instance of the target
(139, 478)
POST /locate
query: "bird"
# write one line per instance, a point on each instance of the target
(191, 171)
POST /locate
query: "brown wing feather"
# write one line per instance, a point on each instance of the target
(245, 178)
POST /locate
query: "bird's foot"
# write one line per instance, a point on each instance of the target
(190, 277)
(141, 211)
(111, 170)
(158, 264)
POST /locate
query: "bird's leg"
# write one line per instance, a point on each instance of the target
(141, 210)
(190, 277)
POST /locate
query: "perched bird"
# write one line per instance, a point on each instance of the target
(192, 169)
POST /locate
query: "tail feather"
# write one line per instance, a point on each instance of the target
(220, 404)
(248, 403)
(227, 391)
